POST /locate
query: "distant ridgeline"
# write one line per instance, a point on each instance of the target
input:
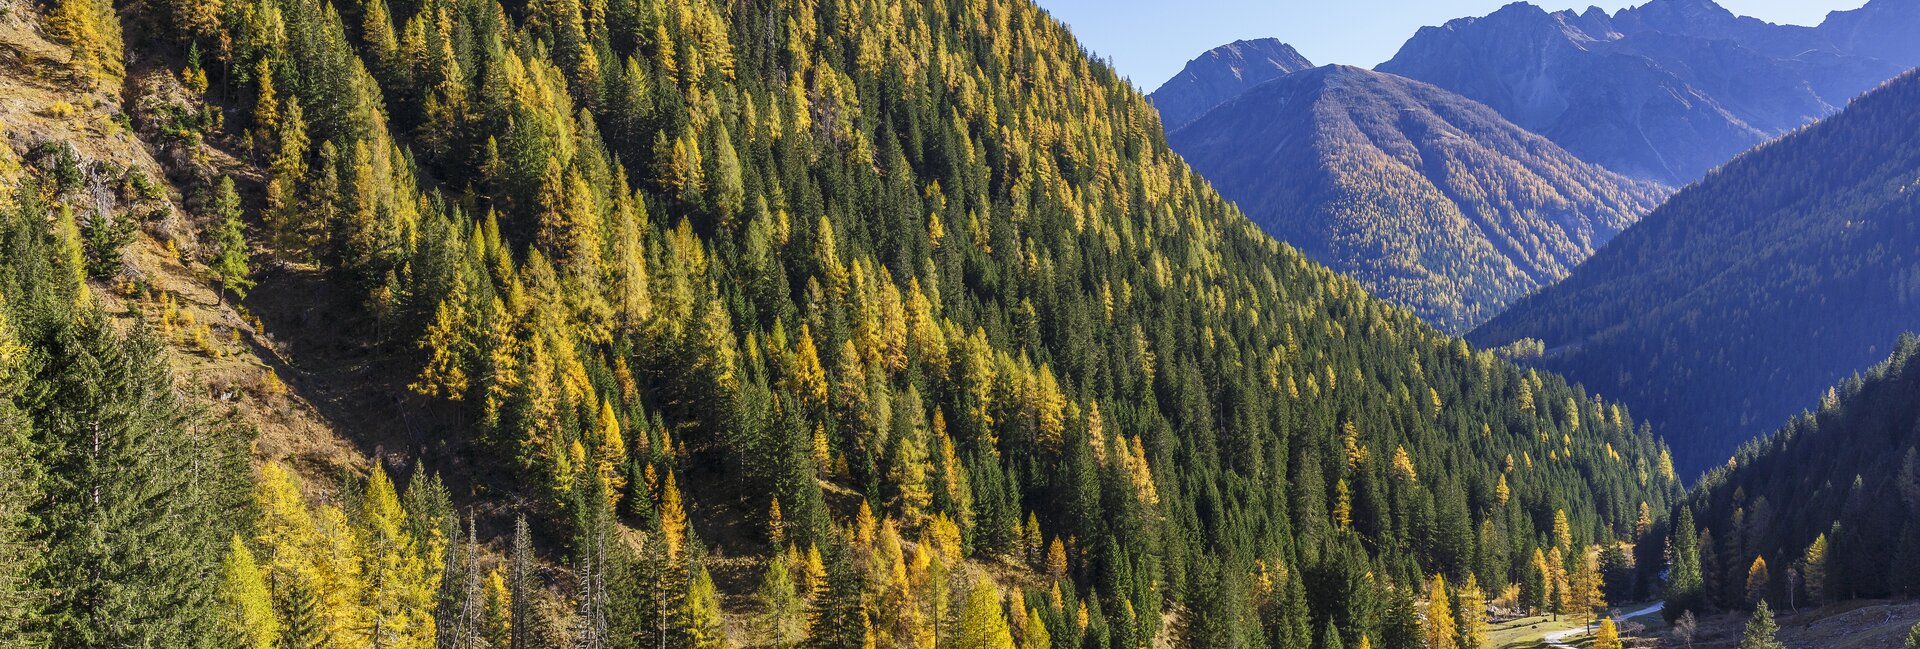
(1732, 306)
(1668, 90)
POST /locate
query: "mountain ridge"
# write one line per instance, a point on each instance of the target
(1715, 315)
(1430, 199)
(1664, 91)
(1220, 74)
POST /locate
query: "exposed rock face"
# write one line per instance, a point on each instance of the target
(1221, 74)
(1431, 200)
(1663, 92)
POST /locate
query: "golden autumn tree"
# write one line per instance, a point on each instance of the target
(250, 618)
(1471, 615)
(673, 518)
(1757, 580)
(981, 624)
(1608, 636)
(1584, 594)
(609, 451)
(400, 586)
(1437, 627)
(91, 31)
(806, 376)
(448, 346)
(311, 560)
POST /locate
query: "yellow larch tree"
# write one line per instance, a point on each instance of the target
(610, 452)
(249, 616)
(673, 518)
(981, 624)
(1608, 636)
(1437, 627)
(1471, 615)
(805, 375)
(400, 586)
(448, 347)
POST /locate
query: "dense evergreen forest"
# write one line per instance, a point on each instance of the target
(1826, 509)
(1732, 306)
(115, 493)
(910, 299)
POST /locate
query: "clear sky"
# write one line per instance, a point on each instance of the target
(1149, 40)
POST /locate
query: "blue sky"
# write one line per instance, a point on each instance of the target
(1149, 40)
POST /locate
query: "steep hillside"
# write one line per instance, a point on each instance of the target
(47, 117)
(850, 322)
(1728, 308)
(1220, 74)
(1663, 92)
(1430, 200)
(1834, 495)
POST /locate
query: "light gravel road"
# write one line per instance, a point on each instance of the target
(1558, 639)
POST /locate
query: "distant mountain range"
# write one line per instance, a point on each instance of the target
(1668, 90)
(1492, 155)
(1885, 29)
(1220, 74)
(1732, 306)
(1431, 200)
(1443, 199)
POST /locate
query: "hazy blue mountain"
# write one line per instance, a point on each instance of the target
(1731, 306)
(1221, 74)
(1431, 200)
(1886, 29)
(1664, 91)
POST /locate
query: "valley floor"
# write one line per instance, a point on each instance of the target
(1864, 624)
(1548, 631)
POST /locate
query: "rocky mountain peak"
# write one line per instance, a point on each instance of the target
(1222, 73)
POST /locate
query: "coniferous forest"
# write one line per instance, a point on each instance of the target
(906, 304)
(1828, 501)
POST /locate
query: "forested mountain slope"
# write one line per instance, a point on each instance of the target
(1728, 308)
(862, 322)
(1664, 92)
(1833, 497)
(1430, 200)
(1220, 74)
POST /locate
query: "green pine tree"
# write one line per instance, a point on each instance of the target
(18, 491)
(140, 494)
(1761, 630)
(229, 241)
(1684, 580)
(1330, 637)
